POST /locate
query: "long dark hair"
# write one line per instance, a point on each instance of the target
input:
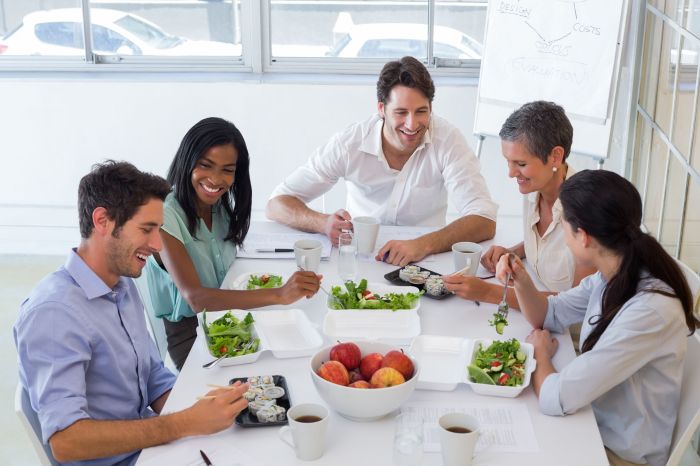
(237, 201)
(608, 208)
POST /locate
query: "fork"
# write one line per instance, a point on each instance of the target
(503, 305)
(340, 303)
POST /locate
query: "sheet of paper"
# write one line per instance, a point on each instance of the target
(256, 241)
(504, 427)
(185, 452)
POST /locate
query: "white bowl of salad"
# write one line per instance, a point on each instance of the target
(500, 367)
(364, 296)
(231, 333)
(257, 281)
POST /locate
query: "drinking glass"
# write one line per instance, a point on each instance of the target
(408, 440)
(347, 257)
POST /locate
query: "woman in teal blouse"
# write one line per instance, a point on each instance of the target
(205, 217)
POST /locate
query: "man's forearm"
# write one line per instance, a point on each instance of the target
(470, 228)
(90, 439)
(291, 211)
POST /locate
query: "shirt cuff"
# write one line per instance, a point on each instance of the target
(60, 415)
(549, 396)
(550, 321)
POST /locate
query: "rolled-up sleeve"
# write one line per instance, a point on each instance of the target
(54, 375)
(549, 396)
(318, 175)
(160, 379)
(463, 180)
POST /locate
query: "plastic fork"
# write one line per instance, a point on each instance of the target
(503, 305)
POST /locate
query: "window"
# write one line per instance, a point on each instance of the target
(243, 35)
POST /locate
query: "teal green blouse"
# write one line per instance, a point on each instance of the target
(210, 254)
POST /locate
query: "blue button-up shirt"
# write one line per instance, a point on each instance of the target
(632, 376)
(85, 353)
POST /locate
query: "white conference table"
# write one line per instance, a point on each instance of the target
(571, 440)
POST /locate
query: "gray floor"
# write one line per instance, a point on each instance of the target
(18, 275)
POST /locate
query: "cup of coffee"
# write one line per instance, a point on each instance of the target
(308, 254)
(459, 433)
(307, 424)
(366, 231)
(466, 254)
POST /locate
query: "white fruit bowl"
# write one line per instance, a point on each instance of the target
(360, 404)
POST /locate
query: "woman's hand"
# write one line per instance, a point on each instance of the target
(490, 258)
(299, 285)
(467, 287)
(513, 265)
(545, 345)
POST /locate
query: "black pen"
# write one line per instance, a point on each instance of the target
(274, 250)
(205, 458)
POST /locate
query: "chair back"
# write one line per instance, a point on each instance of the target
(30, 421)
(693, 280)
(155, 324)
(689, 409)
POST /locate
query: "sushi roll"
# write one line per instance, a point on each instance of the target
(253, 393)
(267, 380)
(435, 285)
(267, 414)
(254, 381)
(280, 412)
(409, 271)
(257, 405)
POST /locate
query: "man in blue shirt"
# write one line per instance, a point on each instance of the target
(94, 376)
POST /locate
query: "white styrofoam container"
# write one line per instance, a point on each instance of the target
(445, 359)
(287, 333)
(241, 281)
(379, 288)
(398, 327)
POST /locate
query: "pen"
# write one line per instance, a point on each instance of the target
(274, 250)
(205, 458)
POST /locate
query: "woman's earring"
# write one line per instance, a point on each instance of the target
(554, 169)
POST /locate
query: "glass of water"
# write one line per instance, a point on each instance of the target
(347, 257)
(408, 440)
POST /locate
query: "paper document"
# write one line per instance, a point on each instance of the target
(219, 448)
(504, 427)
(255, 242)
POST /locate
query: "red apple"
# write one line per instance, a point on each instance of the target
(400, 362)
(386, 377)
(360, 384)
(348, 354)
(334, 372)
(355, 375)
(369, 364)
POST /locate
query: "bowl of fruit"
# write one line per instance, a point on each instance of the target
(364, 380)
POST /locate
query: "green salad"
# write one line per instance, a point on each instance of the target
(264, 281)
(231, 336)
(499, 322)
(502, 363)
(357, 296)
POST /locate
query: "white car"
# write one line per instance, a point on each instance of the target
(60, 32)
(388, 40)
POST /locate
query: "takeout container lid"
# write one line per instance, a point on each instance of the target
(445, 359)
(287, 333)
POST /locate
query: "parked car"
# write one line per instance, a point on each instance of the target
(60, 32)
(388, 40)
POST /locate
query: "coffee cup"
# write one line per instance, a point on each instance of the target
(459, 433)
(307, 424)
(366, 231)
(308, 254)
(466, 254)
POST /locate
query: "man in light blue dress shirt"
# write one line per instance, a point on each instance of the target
(93, 375)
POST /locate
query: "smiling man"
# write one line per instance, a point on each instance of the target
(400, 165)
(92, 373)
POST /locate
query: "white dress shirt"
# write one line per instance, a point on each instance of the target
(631, 377)
(548, 255)
(415, 195)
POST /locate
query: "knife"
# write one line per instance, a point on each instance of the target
(274, 250)
(206, 459)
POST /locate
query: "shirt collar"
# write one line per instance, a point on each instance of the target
(86, 278)
(372, 143)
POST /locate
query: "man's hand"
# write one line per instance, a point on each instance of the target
(299, 285)
(336, 223)
(545, 345)
(491, 256)
(402, 252)
(467, 287)
(212, 415)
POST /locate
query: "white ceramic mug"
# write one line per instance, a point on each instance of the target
(308, 254)
(307, 423)
(466, 254)
(366, 231)
(459, 433)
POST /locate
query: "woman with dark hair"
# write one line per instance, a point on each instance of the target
(205, 217)
(636, 313)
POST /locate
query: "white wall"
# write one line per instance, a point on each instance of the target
(53, 129)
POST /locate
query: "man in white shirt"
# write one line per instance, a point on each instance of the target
(400, 165)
